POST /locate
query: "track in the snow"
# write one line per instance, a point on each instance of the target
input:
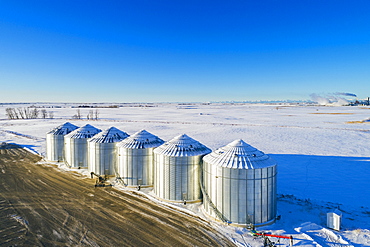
(41, 206)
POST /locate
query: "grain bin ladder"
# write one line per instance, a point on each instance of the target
(205, 195)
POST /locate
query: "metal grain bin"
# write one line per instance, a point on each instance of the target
(239, 185)
(102, 151)
(75, 145)
(55, 141)
(135, 158)
(177, 169)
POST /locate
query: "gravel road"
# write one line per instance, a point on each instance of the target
(43, 206)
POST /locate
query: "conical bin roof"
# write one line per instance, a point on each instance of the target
(86, 131)
(140, 140)
(110, 135)
(182, 145)
(63, 129)
(240, 155)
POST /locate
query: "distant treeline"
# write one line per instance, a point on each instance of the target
(28, 113)
(98, 106)
(116, 106)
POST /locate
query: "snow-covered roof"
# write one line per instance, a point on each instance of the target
(86, 131)
(336, 211)
(109, 136)
(182, 145)
(140, 140)
(63, 129)
(239, 154)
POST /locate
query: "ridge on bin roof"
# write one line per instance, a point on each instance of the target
(182, 145)
(141, 139)
(86, 131)
(239, 155)
(63, 129)
(109, 136)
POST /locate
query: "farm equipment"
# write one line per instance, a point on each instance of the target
(100, 180)
(268, 242)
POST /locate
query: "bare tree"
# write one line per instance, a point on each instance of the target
(77, 115)
(16, 116)
(21, 114)
(10, 113)
(96, 114)
(90, 115)
(34, 113)
(44, 113)
(26, 112)
(51, 114)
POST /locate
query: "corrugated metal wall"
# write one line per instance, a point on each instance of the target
(75, 152)
(177, 178)
(54, 147)
(134, 165)
(243, 196)
(101, 158)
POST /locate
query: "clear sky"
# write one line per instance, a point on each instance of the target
(171, 51)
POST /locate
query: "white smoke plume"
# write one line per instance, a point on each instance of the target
(329, 100)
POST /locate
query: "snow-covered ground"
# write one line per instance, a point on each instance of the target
(323, 155)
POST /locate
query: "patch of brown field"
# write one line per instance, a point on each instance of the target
(42, 206)
(284, 106)
(333, 113)
(356, 122)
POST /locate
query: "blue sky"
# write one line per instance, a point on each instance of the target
(193, 51)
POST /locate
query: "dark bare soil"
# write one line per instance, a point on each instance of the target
(42, 206)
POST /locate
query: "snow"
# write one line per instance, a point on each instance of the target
(323, 156)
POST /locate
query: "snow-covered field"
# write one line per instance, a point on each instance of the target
(323, 155)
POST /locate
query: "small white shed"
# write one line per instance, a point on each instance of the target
(334, 219)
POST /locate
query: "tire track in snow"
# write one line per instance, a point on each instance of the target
(321, 236)
(60, 211)
(23, 135)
